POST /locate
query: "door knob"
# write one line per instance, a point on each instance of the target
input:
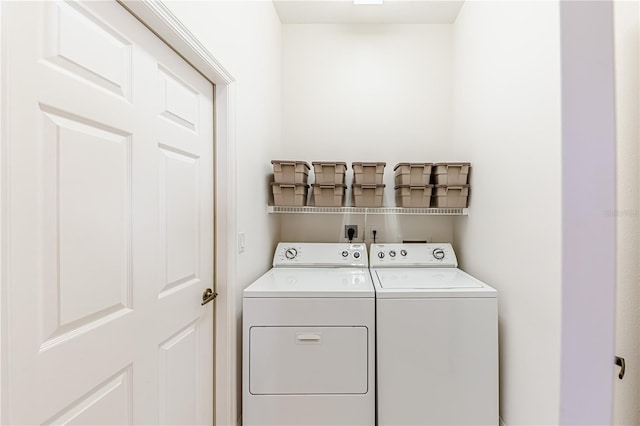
(620, 363)
(207, 296)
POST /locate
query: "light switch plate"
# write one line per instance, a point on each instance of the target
(241, 242)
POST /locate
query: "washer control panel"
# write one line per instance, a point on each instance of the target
(416, 255)
(320, 255)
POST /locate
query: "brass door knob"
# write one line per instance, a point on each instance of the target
(207, 296)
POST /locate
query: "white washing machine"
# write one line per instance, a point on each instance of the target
(309, 338)
(437, 338)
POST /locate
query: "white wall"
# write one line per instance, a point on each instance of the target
(507, 123)
(367, 93)
(627, 391)
(245, 37)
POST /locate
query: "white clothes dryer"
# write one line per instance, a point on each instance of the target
(437, 338)
(309, 338)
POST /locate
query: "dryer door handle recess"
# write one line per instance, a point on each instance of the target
(308, 337)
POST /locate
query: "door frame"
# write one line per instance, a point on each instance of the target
(161, 21)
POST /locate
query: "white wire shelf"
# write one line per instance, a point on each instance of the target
(370, 210)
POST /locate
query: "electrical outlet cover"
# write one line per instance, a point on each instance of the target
(346, 231)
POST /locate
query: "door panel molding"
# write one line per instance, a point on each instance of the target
(87, 410)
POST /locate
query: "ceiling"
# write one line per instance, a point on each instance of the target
(345, 12)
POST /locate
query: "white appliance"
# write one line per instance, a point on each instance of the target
(309, 338)
(437, 338)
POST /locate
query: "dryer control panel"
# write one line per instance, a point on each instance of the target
(320, 255)
(413, 255)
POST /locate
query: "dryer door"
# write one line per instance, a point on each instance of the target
(308, 360)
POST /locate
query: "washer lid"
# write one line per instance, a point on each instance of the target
(313, 282)
(426, 278)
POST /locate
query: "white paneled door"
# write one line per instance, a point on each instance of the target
(107, 221)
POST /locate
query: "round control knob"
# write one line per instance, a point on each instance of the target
(403, 252)
(438, 253)
(291, 253)
(392, 253)
(356, 254)
(380, 254)
(345, 253)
